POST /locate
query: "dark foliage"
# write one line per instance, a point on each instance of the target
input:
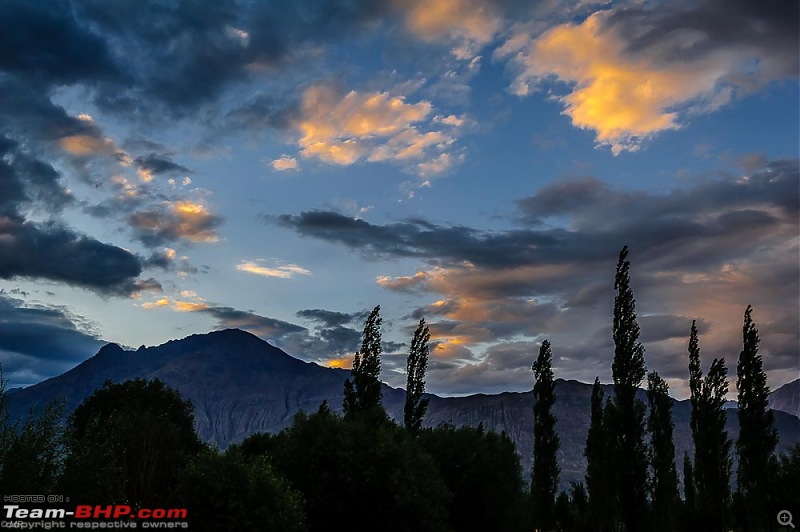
(416, 366)
(758, 436)
(363, 393)
(626, 422)
(664, 477)
(128, 443)
(482, 472)
(545, 471)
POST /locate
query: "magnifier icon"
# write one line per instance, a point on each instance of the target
(785, 518)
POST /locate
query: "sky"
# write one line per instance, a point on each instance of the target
(171, 167)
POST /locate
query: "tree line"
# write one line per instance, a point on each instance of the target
(134, 443)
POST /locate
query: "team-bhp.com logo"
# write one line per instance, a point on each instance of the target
(92, 516)
(86, 511)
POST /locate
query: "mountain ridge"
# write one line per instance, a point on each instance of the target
(240, 384)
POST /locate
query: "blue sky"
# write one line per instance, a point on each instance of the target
(169, 168)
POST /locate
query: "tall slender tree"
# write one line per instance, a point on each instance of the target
(627, 421)
(689, 495)
(416, 366)
(363, 392)
(545, 471)
(598, 465)
(664, 477)
(758, 436)
(712, 447)
(712, 461)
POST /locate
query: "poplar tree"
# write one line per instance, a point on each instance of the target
(626, 424)
(712, 461)
(757, 433)
(545, 471)
(363, 392)
(664, 483)
(416, 366)
(598, 470)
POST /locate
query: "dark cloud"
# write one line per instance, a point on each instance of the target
(330, 318)
(51, 250)
(683, 31)
(157, 164)
(163, 224)
(44, 41)
(702, 252)
(38, 341)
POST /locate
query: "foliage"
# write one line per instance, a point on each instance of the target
(664, 477)
(483, 473)
(758, 436)
(545, 471)
(712, 461)
(231, 492)
(363, 393)
(416, 366)
(128, 443)
(626, 422)
(360, 474)
(598, 464)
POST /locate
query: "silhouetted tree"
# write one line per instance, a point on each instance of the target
(689, 495)
(712, 462)
(416, 366)
(598, 464)
(359, 474)
(128, 443)
(758, 436)
(626, 424)
(363, 393)
(233, 492)
(664, 477)
(481, 470)
(545, 471)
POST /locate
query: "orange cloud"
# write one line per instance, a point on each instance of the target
(375, 126)
(283, 272)
(345, 362)
(623, 96)
(285, 162)
(183, 219)
(467, 19)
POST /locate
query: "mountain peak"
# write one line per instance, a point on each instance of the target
(110, 349)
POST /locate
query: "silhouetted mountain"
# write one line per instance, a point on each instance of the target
(239, 384)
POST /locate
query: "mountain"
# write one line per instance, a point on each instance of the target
(786, 398)
(239, 384)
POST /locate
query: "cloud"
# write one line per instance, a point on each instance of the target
(154, 164)
(638, 71)
(40, 341)
(173, 221)
(285, 271)
(470, 20)
(375, 126)
(285, 162)
(700, 252)
(51, 250)
(330, 318)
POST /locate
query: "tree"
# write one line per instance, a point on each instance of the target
(129, 442)
(481, 470)
(664, 478)
(231, 492)
(545, 471)
(360, 474)
(627, 421)
(598, 466)
(712, 462)
(689, 495)
(416, 366)
(363, 393)
(758, 436)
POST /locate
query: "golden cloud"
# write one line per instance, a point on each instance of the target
(285, 162)
(375, 126)
(283, 272)
(467, 19)
(623, 96)
(184, 219)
